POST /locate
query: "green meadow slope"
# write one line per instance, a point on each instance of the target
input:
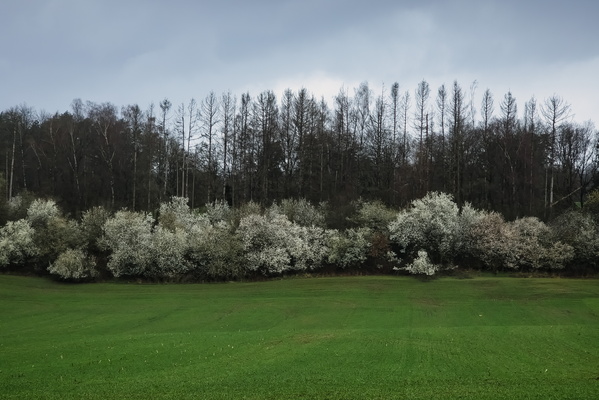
(324, 338)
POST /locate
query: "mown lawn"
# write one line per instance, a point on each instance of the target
(320, 338)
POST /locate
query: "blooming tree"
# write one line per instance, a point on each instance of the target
(219, 211)
(41, 211)
(533, 247)
(128, 237)
(431, 223)
(74, 264)
(216, 252)
(349, 248)
(302, 212)
(374, 215)
(177, 214)
(581, 231)
(490, 242)
(167, 253)
(264, 242)
(422, 265)
(272, 244)
(92, 223)
(16, 242)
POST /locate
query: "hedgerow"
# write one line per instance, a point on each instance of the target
(432, 234)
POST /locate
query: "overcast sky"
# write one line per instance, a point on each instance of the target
(141, 51)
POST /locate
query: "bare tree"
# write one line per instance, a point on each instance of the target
(421, 124)
(442, 109)
(133, 119)
(265, 122)
(555, 111)
(209, 111)
(344, 139)
(394, 112)
(362, 111)
(530, 128)
(576, 151)
(509, 142)
(405, 106)
(165, 106)
(104, 121)
(247, 147)
(21, 119)
(187, 126)
(457, 115)
(152, 139)
(303, 125)
(288, 139)
(471, 106)
(228, 105)
(378, 140)
(487, 108)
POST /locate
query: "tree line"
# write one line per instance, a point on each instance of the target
(292, 237)
(392, 145)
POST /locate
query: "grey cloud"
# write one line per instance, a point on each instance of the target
(126, 50)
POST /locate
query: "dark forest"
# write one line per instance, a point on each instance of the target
(529, 159)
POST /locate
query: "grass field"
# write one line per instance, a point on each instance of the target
(325, 338)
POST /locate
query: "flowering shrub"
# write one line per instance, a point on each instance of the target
(525, 243)
(16, 242)
(308, 247)
(219, 211)
(525, 236)
(167, 253)
(74, 264)
(422, 265)
(41, 211)
(464, 238)
(556, 256)
(302, 212)
(272, 244)
(532, 245)
(18, 205)
(580, 231)
(176, 214)
(92, 223)
(374, 215)
(128, 237)
(245, 210)
(215, 252)
(591, 206)
(228, 244)
(490, 242)
(348, 248)
(431, 223)
(55, 236)
(264, 242)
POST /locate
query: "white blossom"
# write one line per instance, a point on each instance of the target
(422, 265)
(374, 215)
(272, 244)
(128, 236)
(219, 211)
(168, 249)
(302, 212)
(74, 264)
(41, 211)
(16, 242)
(216, 252)
(177, 214)
(348, 248)
(431, 223)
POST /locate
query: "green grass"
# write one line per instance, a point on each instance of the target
(325, 338)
